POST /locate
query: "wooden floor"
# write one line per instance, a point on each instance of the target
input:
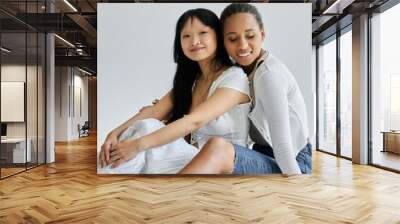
(10, 171)
(387, 159)
(70, 191)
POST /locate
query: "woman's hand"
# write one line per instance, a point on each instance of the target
(123, 152)
(111, 140)
(154, 102)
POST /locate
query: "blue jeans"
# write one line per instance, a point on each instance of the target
(248, 161)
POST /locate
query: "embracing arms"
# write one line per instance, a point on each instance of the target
(160, 111)
(213, 107)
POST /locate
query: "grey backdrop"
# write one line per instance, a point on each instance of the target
(135, 63)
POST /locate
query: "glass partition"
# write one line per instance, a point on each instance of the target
(22, 63)
(41, 109)
(31, 100)
(13, 109)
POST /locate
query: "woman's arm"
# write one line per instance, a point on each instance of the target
(221, 101)
(161, 111)
(273, 95)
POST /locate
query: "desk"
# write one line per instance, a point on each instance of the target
(391, 141)
(15, 148)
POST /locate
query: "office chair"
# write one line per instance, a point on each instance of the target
(84, 130)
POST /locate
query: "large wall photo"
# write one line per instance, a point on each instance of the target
(135, 60)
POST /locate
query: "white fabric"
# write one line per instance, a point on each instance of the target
(166, 159)
(279, 112)
(172, 157)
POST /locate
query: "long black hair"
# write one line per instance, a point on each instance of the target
(187, 70)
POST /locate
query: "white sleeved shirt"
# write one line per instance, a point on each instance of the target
(233, 125)
(279, 112)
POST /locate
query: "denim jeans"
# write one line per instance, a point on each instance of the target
(249, 161)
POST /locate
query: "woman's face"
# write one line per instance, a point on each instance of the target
(198, 41)
(243, 38)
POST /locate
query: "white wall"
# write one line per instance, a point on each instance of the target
(80, 83)
(67, 80)
(61, 103)
(135, 44)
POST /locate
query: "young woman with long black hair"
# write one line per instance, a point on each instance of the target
(210, 97)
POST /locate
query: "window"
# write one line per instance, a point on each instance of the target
(385, 89)
(327, 96)
(346, 75)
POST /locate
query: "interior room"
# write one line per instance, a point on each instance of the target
(56, 114)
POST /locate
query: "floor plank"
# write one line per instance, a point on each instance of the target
(70, 191)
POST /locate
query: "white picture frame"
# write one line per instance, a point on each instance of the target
(12, 101)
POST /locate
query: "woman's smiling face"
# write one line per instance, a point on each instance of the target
(198, 41)
(243, 38)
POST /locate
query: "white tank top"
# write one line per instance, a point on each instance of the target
(234, 124)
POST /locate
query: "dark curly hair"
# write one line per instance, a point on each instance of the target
(235, 8)
(187, 70)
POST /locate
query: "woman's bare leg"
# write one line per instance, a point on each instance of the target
(216, 157)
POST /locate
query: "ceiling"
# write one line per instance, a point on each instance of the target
(76, 22)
